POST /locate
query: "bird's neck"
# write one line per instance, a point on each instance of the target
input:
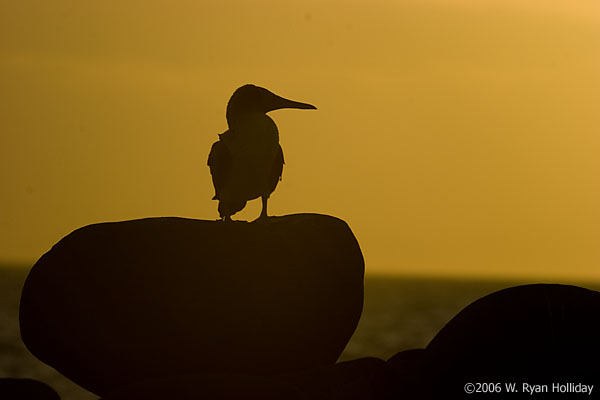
(239, 118)
(248, 120)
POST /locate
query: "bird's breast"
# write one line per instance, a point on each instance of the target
(254, 138)
(253, 146)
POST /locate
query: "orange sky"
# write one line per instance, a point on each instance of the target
(455, 137)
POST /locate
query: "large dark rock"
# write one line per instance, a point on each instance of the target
(114, 303)
(362, 379)
(209, 386)
(26, 389)
(541, 333)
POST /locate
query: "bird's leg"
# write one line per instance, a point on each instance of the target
(226, 218)
(263, 213)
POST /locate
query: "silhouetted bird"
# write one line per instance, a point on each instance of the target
(247, 161)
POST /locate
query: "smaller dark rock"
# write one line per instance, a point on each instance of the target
(408, 360)
(411, 369)
(533, 333)
(362, 379)
(26, 389)
(525, 331)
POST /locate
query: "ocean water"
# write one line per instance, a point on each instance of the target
(399, 314)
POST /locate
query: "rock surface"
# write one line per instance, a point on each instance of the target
(366, 378)
(26, 389)
(524, 330)
(116, 303)
(540, 333)
(362, 379)
(209, 386)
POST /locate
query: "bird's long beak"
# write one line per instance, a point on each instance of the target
(279, 102)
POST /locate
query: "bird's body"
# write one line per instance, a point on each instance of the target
(253, 161)
(247, 161)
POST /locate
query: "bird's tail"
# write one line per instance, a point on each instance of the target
(227, 209)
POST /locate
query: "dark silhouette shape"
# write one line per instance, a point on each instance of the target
(210, 386)
(26, 389)
(116, 303)
(362, 379)
(539, 333)
(247, 161)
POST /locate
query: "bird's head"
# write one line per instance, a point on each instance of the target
(255, 99)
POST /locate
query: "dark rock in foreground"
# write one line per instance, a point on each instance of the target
(209, 386)
(362, 379)
(26, 389)
(116, 303)
(536, 334)
(531, 328)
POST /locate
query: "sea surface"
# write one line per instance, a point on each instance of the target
(399, 313)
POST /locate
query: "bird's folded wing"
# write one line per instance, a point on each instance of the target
(219, 162)
(277, 168)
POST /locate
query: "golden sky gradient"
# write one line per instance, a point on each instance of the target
(456, 137)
